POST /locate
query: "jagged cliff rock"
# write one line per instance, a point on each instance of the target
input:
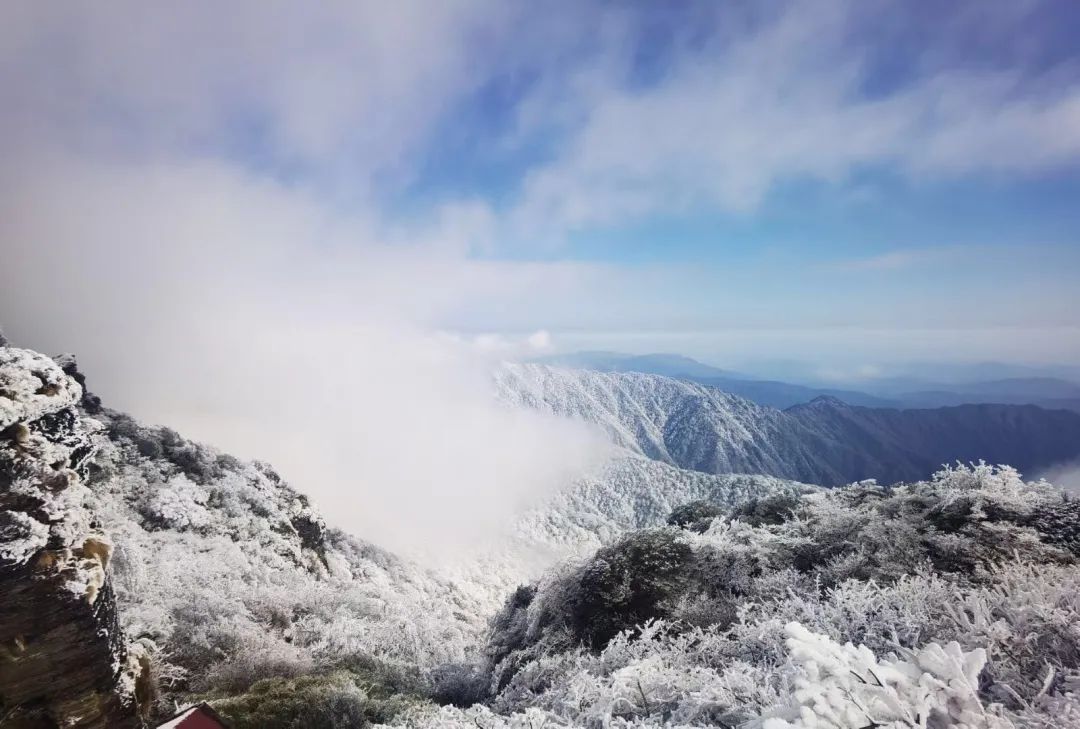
(64, 661)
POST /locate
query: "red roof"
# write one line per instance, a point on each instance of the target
(200, 716)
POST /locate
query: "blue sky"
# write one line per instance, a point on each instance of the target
(890, 180)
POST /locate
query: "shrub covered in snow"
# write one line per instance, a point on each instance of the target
(950, 602)
(697, 515)
(230, 578)
(340, 698)
(847, 686)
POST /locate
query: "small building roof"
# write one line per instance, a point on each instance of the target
(199, 716)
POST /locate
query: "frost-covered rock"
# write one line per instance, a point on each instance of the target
(32, 385)
(44, 447)
(65, 659)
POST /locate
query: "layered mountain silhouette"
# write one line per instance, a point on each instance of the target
(974, 385)
(825, 441)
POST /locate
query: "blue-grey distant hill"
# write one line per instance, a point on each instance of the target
(669, 365)
(764, 392)
(825, 441)
(896, 392)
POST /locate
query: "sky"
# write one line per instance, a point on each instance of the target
(618, 173)
(223, 210)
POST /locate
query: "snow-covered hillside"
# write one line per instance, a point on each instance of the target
(224, 574)
(626, 493)
(823, 442)
(947, 603)
(657, 594)
(632, 492)
(658, 417)
(229, 574)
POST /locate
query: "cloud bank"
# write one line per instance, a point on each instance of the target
(241, 314)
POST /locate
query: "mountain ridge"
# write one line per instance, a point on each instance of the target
(1018, 388)
(825, 442)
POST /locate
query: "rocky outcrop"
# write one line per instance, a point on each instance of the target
(63, 660)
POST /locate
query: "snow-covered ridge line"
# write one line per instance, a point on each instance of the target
(699, 427)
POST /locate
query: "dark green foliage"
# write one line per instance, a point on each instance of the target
(460, 684)
(311, 530)
(123, 428)
(267, 470)
(955, 515)
(695, 516)
(635, 580)
(199, 463)
(195, 461)
(340, 699)
(90, 402)
(509, 628)
(771, 509)
(1059, 524)
(627, 584)
(228, 463)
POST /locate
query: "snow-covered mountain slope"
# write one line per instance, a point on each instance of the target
(632, 492)
(701, 623)
(893, 445)
(230, 572)
(626, 493)
(217, 574)
(823, 442)
(674, 421)
(221, 574)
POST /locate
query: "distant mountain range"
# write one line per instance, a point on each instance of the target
(891, 392)
(671, 365)
(825, 441)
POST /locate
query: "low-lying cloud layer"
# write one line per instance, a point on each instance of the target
(1065, 475)
(240, 314)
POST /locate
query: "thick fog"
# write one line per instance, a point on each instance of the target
(239, 314)
(235, 283)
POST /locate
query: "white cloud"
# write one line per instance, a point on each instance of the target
(785, 101)
(337, 91)
(907, 258)
(540, 341)
(251, 316)
(1065, 476)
